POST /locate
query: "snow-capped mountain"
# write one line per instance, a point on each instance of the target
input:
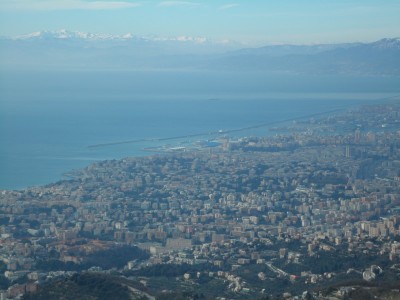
(385, 44)
(64, 34)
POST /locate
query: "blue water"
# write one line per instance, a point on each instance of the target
(47, 121)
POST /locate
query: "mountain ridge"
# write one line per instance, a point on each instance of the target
(73, 49)
(64, 34)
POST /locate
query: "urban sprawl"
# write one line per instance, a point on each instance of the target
(314, 203)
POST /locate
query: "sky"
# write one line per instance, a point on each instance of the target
(252, 22)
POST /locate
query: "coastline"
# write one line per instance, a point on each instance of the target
(45, 164)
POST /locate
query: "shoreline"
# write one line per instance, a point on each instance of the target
(141, 151)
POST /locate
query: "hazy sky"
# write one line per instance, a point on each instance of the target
(251, 21)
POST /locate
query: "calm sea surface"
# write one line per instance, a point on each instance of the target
(47, 121)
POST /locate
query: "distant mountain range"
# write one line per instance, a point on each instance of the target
(78, 50)
(378, 58)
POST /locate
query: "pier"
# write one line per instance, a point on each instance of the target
(211, 133)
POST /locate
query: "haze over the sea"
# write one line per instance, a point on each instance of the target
(49, 119)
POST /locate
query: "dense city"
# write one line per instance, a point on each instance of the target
(310, 211)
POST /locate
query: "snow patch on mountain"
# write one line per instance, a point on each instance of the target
(66, 34)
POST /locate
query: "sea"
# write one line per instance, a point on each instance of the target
(49, 120)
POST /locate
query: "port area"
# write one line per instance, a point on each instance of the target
(187, 146)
